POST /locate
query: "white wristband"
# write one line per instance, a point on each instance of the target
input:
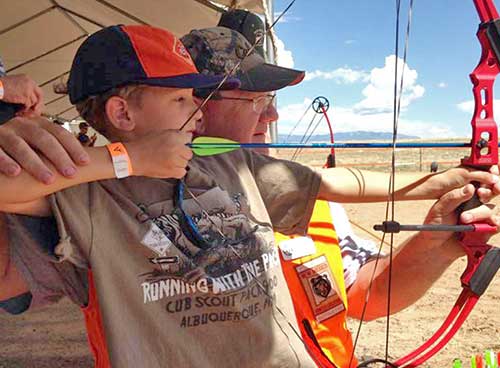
(121, 160)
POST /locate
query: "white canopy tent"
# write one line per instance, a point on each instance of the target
(40, 37)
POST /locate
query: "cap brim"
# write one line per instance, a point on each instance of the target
(268, 77)
(193, 80)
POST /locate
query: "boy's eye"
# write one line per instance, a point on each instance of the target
(180, 99)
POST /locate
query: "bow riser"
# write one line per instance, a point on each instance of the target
(484, 143)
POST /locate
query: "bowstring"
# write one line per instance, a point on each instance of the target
(297, 123)
(305, 139)
(390, 203)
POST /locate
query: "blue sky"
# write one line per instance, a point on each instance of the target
(347, 49)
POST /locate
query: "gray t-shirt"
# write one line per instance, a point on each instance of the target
(43, 275)
(32, 241)
(167, 300)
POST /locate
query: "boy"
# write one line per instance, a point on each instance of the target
(183, 282)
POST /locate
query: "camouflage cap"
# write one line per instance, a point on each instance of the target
(248, 24)
(217, 50)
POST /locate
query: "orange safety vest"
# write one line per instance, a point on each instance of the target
(95, 331)
(314, 273)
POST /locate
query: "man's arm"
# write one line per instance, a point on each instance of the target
(23, 141)
(163, 155)
(354, 186)
(418, 262)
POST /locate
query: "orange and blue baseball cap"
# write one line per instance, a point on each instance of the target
(121, 55)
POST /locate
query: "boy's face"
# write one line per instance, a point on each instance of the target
(161, 108)
(237, 119)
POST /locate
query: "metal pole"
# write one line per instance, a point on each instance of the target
(273, 127)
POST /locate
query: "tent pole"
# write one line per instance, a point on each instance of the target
(271, 58)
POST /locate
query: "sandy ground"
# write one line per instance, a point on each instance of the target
(55, 336)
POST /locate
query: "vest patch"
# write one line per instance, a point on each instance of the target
(320, 287)
(297, 248)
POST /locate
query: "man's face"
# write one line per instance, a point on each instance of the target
(238, 119)
(160, 108)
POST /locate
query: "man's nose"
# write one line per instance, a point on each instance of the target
(269, 115)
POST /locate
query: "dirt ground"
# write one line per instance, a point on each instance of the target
(55, 337)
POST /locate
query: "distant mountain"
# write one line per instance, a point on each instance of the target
(360, 135)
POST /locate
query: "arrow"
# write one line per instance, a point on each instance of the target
(209, 146)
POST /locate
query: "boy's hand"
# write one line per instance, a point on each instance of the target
(163, 155)
(24, 140)
(21, 89)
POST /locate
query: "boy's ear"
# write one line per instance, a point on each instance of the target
(118, 112)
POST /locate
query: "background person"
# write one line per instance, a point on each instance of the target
(83, 137)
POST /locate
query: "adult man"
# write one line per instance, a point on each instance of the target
(251, 105)
(355, 250)
(252, 96)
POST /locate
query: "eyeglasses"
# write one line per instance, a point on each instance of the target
(260, 103)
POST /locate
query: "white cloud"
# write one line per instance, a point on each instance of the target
(468, 106)
(374, 111)
(287, 18)
(339, 76)
(284, 57)
(350, 42)
(379, 93)
(346, 119)
(442, 85)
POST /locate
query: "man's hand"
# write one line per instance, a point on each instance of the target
(24, 140)
(443, 212)
(164, 155)
(419, 261)
(21, 89)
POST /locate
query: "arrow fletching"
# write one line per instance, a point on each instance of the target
(209, 146)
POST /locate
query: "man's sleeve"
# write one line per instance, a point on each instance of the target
(32, 242)
(289, 190)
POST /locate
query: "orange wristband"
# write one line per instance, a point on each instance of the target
(121, 160)
(2, 91)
